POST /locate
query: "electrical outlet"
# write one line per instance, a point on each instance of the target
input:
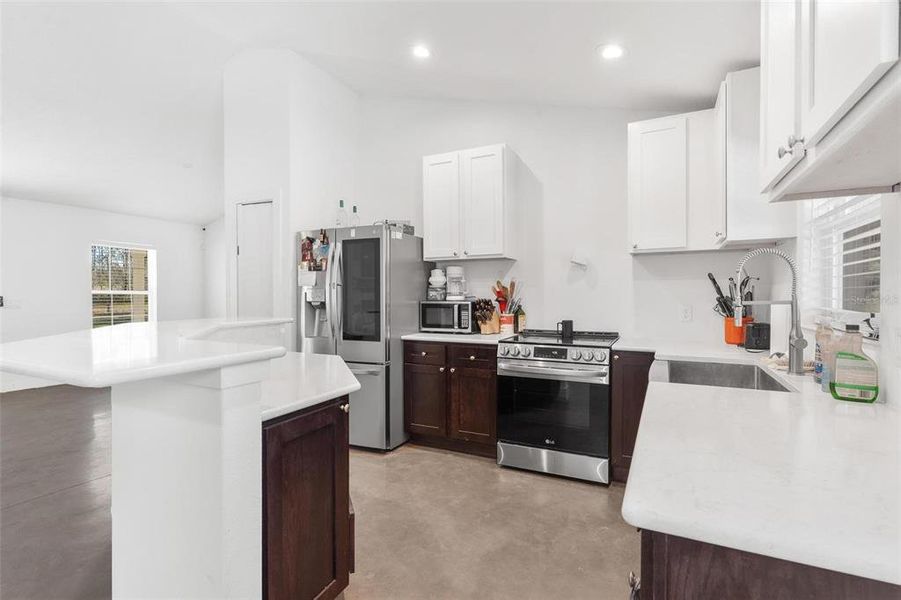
(685, 313)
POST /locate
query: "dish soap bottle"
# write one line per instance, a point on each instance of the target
(855, 376)
(823, 339)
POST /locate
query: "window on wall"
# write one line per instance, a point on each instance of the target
(840, 257)
(121, 285)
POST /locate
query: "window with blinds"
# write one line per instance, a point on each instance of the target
(120, 285)
(840, 257)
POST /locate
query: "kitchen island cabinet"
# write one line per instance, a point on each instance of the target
(450, 395)
(307, 516)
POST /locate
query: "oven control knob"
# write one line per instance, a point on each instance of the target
(588, 355)
(600, 355)
(504, 351)
(576, 355)
(526, 351)
(514, 351)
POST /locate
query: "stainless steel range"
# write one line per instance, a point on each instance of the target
(554, 403)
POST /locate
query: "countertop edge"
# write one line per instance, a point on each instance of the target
(142, 373)
(863, 568)
(321, 398)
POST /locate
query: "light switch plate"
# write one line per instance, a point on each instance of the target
(686, 314)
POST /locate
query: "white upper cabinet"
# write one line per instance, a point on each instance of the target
(482, 196)
(750, 217)
(845, 48)
(830, 98)
(676, 183)
(658, 183)
(441, 206)
(779, 89)
(693, 178)
(467, 204)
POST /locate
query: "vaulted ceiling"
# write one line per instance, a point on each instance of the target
(119, 106)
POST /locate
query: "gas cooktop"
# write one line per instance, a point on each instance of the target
(547, 337)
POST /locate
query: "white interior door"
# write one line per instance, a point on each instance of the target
(254, 260)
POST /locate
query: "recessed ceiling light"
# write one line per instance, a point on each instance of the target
(420, 51)
(610, 51)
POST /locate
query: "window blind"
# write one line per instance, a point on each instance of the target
(840, 257)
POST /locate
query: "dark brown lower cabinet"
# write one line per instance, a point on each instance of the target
(675, 568)
(306, 506)
(628, 386)
(450, 396)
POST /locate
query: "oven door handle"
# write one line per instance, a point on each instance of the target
(553, 374)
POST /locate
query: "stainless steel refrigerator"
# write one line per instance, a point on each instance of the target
(361, 303)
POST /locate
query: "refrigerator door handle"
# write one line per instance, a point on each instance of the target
(329, 289)
(339, 276)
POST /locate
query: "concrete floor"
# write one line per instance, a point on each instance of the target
(430, 524)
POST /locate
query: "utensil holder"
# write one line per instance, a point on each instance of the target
(491, 326)
(732, 334)
(507, 323)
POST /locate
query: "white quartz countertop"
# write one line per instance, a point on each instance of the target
(457, 338)
(300, 380)
(130, 352)
(796, 476)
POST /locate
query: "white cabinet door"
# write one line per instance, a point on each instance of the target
(845, 48)
(441, 206)
(779, 90)
(482, 196)
(750, 215)
(658, 183)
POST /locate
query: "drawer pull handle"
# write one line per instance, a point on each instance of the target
(425, 353)
(441, 370)
(345, 407)
(453, 370)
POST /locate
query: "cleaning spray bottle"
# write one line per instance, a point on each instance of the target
(855, 376)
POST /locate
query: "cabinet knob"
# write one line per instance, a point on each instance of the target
(783, 151)
(441, 370)
(466, 252)
(453, 370)
(425, 353)
(455, 253)
(616, 357)
(345, 407)
(472, 357)
(634, 246)
(792, 140)
(718, 234)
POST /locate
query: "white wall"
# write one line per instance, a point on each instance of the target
(290, 136)
(579, 157)
(214, 269)
(46, 265)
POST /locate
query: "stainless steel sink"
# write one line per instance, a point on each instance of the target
(748, 377)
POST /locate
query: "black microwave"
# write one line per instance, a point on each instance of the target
(446, 316)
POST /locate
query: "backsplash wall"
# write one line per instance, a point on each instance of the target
(579, 157)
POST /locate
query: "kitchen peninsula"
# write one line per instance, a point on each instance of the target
(187, 451)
